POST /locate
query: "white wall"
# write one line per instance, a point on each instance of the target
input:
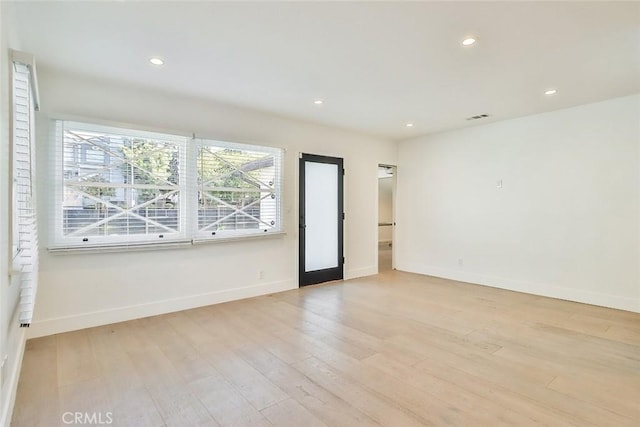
(12, 338)
(566, 222)
(81, 290)
(385, 208)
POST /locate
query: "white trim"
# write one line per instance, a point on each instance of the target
(145, 246)
(541, 289)
(152, 246)
(360, 272)
(137, 131)
(40, 328)
(11, 382)
(236, 237)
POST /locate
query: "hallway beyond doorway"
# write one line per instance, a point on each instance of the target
(384, 257)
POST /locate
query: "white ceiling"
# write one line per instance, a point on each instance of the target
(377, 65)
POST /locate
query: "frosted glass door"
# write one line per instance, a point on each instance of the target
(321, 207)
(321, 219)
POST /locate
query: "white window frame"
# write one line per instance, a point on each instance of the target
(60, 240)
(188, 206)
(277, 227)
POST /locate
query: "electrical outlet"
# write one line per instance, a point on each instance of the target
(460, 262)
(261, 274)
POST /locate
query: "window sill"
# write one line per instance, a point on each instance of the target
(120, 247)
(255, 236)
(135, 247)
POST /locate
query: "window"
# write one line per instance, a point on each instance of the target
(119, 186)
(122, 187)
(24, 236)
(238, 188)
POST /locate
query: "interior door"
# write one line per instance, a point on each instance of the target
(321, 219)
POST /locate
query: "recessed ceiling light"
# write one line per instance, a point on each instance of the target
(468, 41)
(409, 125)
(318, 102)
(550, 92)
(156, 61)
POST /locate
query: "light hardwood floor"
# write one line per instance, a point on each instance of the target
(395, 349)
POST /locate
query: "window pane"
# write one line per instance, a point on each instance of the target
(238, 189)
(321, 206)
(116, 184)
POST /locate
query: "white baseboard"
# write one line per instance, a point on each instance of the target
(11, 383)
(360, 272)
(41, 328)
(46, 327)
(545, 290)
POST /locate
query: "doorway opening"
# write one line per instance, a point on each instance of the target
(386, 217)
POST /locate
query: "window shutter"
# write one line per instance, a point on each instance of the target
(24, 204)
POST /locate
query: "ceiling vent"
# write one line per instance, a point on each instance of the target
(480, 116)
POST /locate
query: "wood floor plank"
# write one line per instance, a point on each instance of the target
(351, 315)
(623, 334)
(254, 386)
(568, 366)
(225, 403)
(484, 364)
(599, 393)
(381, 410)
(76, 360)
(176, 404)
(340, 341)
(395, 349)
(309, 342)
(223, 400)
(38, 383)
(130, 402)
(474, 402)
(257, 334)
(287, 313)
(319, 401)
(88, 398)
(181, 408)
(184, 357)
(428, 407)
(289, 413)
(524, 392)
